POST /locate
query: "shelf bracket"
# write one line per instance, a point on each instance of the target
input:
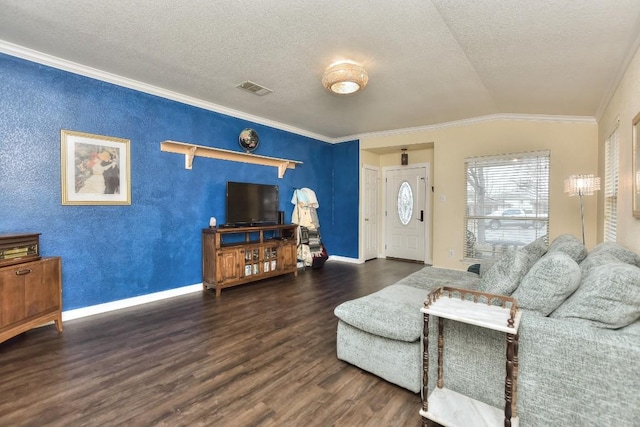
(188, 157)
(282, 168)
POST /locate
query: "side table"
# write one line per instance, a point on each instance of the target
(496, 312)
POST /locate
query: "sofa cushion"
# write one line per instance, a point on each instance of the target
(486, 264)
(606, 253)
(505, 275)
(548, 283)
(570, 245)
(393, 312)
(632, 329)
(608, 297)
(429, 278)
(597, 259)
(619, 252)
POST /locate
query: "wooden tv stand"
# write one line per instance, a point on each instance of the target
(236, 255)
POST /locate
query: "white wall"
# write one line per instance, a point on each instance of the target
(574, 149)
(624, 104)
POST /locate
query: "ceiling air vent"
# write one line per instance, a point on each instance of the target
(254, 88)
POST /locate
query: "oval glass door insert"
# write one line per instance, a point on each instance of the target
(405, 203)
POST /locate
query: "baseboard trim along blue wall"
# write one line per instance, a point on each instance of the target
(111, 253)
(148, 298)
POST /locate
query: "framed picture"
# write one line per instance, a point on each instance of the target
(95, 169)
(636, 166)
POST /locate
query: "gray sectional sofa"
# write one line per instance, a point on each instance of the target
(579, 346)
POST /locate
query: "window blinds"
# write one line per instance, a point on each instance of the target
(507, 202)
(611, 187)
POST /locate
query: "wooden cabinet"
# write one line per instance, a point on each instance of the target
(290, 257)
(229, 268)
(30, 295)
(233, 256)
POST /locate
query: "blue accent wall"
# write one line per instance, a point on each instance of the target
(115, 252)
(346, 182)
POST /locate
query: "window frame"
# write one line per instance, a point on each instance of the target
(532, 209)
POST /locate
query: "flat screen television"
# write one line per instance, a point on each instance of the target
(252, 204)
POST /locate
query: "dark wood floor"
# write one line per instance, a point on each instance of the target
(261, 354)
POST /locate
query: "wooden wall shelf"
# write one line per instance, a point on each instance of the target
(191, 150)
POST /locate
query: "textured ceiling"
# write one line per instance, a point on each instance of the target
(429, 62)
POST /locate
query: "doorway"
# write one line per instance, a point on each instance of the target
(369, 212)
(407, 213)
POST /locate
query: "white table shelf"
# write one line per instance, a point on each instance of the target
(479, 314)
(452, 409)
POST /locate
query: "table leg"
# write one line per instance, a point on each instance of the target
(508, 382)
(515, 375)
(425, 364)
(440, 349)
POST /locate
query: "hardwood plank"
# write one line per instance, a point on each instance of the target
(262, 354)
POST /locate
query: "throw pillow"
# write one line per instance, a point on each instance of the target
(537, 248)
(606, 253)
(595, 259)
(570, 245)
(505, 275)
(617, 251)
(486, 264)
(548, 283)
(608, 297)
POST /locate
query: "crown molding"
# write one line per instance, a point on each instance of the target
(474, 120)
(94, 73)
(83, 70)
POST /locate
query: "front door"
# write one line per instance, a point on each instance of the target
(406, 213)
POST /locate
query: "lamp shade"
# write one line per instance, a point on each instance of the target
(344, 78)
(581, 185)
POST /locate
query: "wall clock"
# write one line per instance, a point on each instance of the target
(248, 140)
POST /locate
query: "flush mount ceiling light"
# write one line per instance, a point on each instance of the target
(344, 78)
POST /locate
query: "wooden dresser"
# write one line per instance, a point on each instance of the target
(30, 295)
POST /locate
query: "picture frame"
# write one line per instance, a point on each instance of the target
(635, 156)
(95, 169)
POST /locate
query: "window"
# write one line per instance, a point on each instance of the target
(611, 187)
(405, 203)
(507, 202)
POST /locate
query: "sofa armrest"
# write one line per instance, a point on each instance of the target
(581, 374)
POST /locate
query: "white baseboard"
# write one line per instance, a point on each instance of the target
(157, 296)
(129, 302)
(345, 259)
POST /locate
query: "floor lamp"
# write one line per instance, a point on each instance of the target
(581, 185)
